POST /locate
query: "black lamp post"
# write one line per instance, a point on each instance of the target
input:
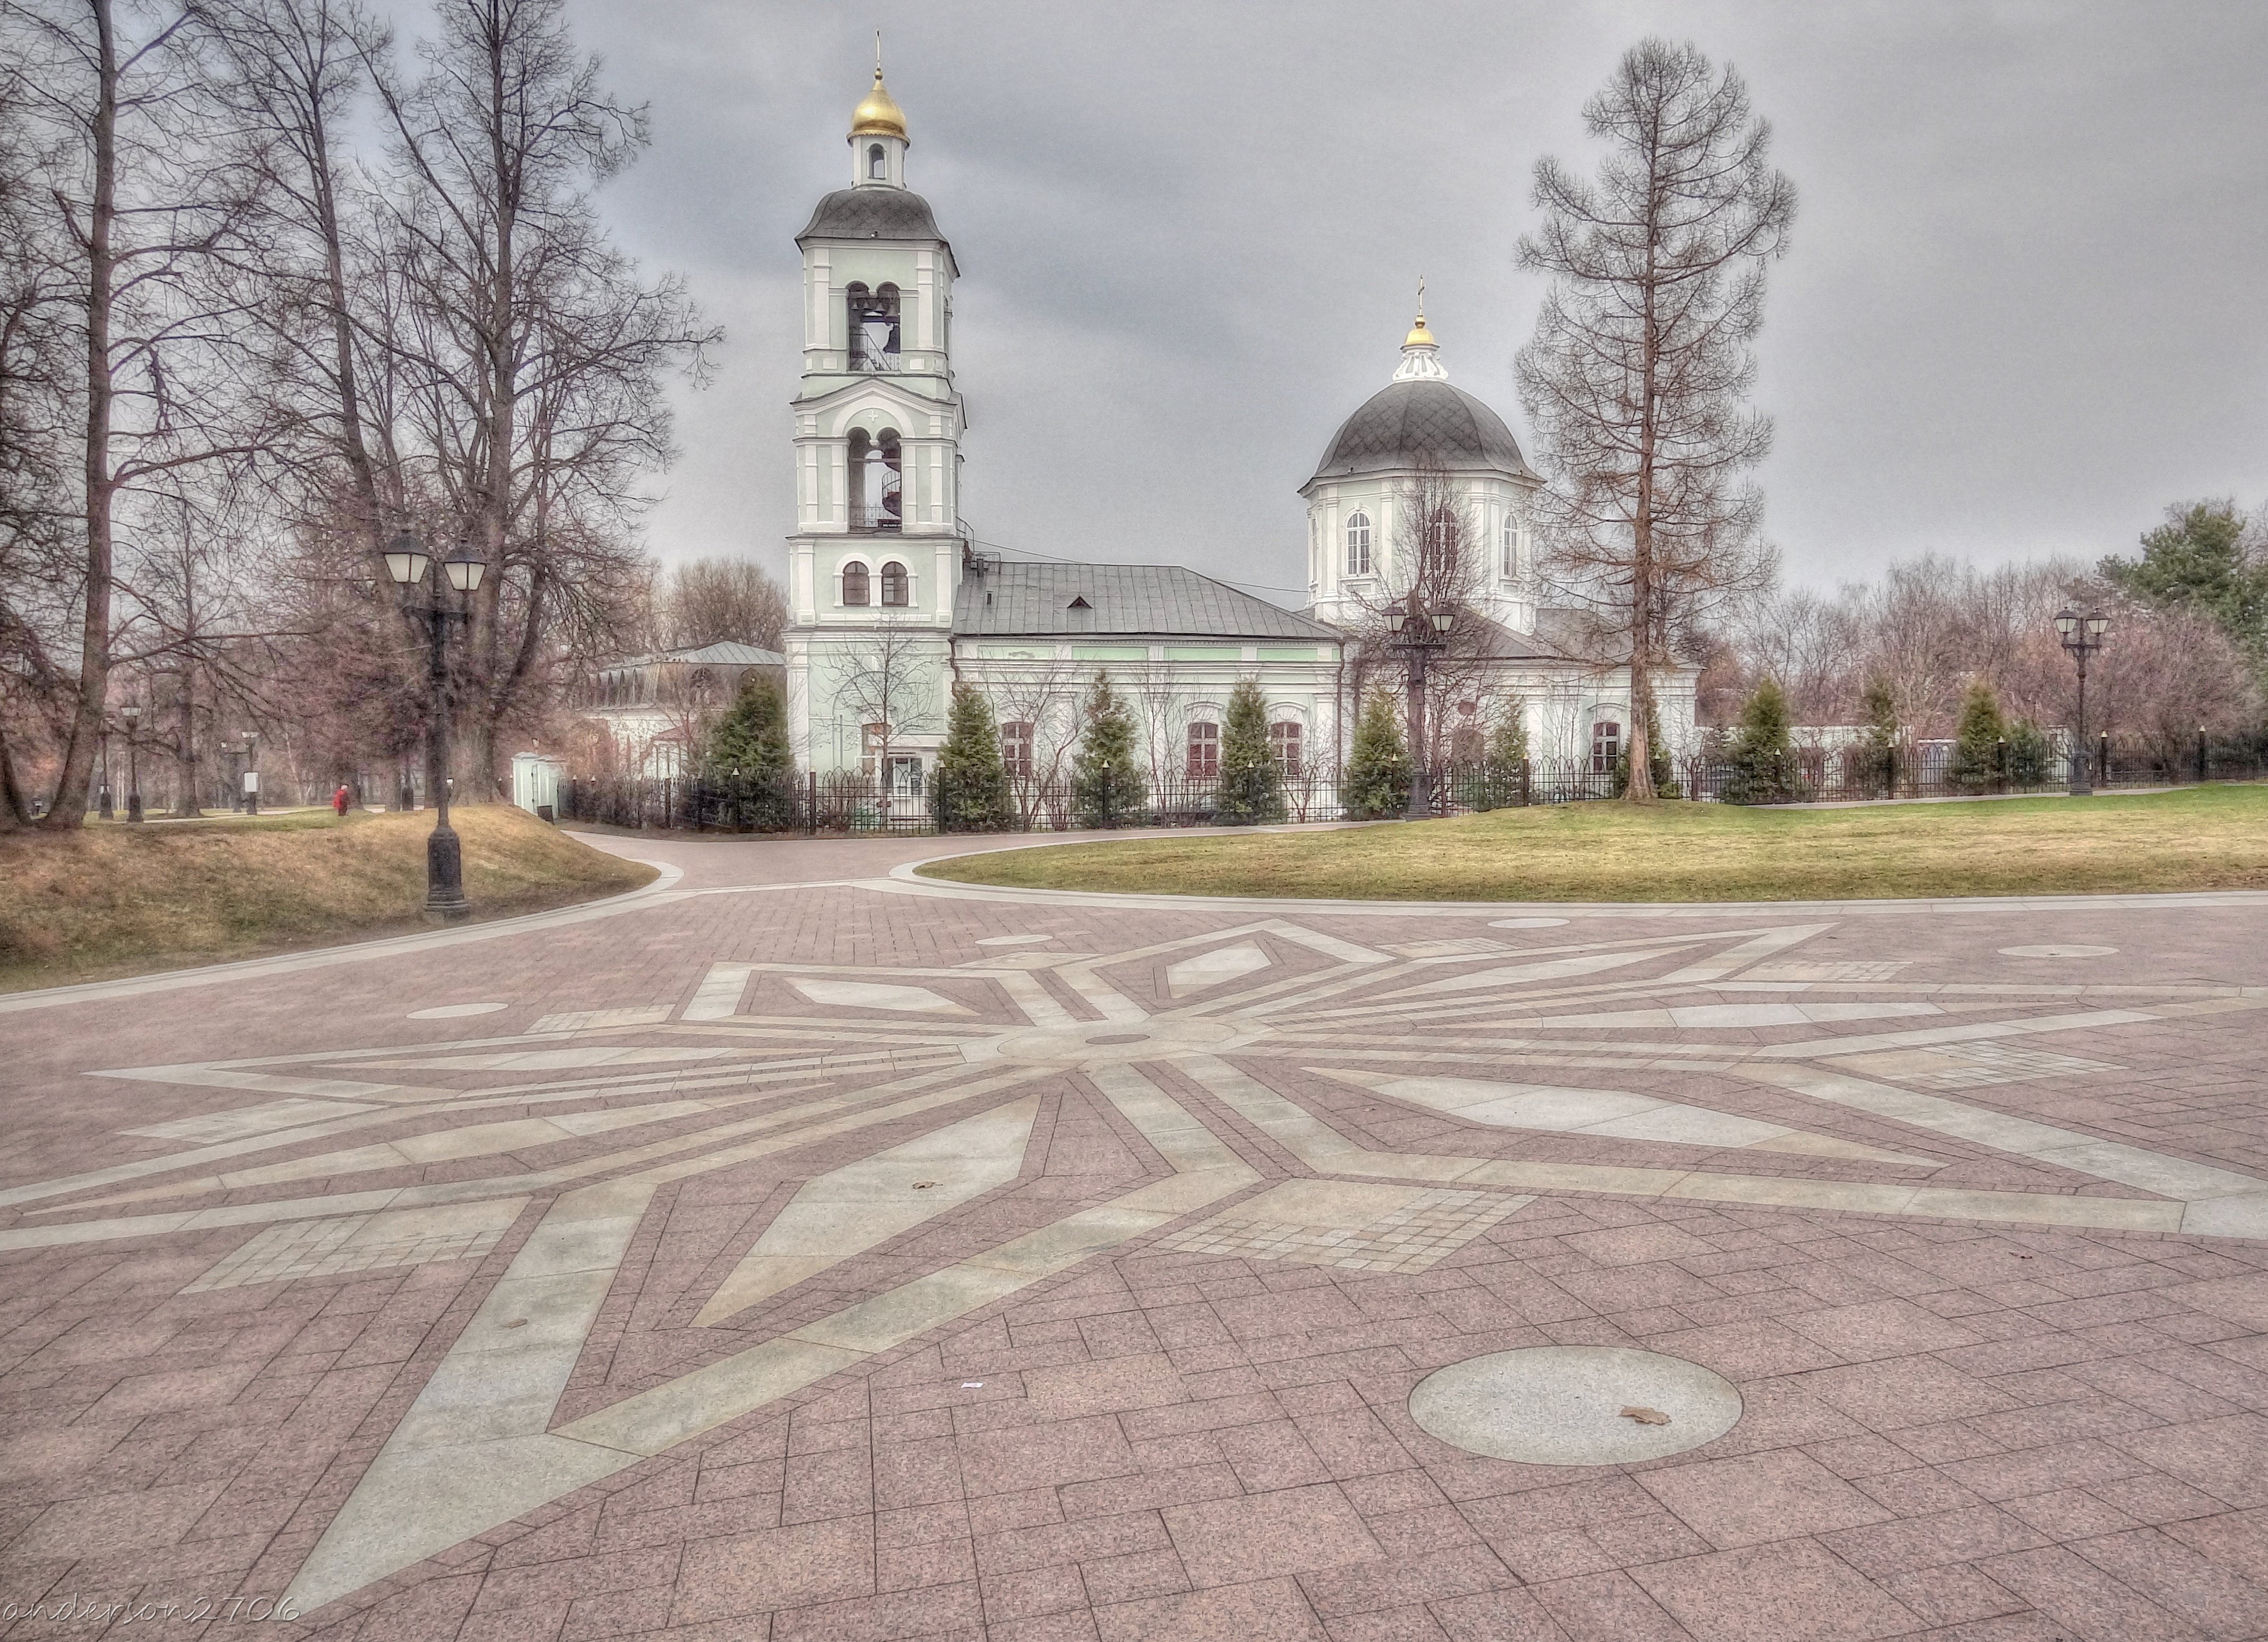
(1418, 635)
(409, 565)
(105, 810)
(132, 713)
(2082, 636)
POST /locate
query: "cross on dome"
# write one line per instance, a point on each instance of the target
(1421, 354)
(880, 114)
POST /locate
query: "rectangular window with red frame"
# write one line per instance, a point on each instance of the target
(1204, 750)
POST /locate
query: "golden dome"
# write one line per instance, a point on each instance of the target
(1419, 336)
(879, 115)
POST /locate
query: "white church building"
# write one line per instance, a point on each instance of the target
(890, 603)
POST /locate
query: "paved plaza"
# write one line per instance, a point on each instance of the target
(795, 1249)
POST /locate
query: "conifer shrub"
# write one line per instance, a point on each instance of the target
(1876, 756)
(1976, 757)
(1107, 787)
(747, 761)
(1761, 762)
(1251, 788)
(1503, 776)
(1376, 783)
(972, 782)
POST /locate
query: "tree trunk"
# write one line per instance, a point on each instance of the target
(189, 804)
(69, 811)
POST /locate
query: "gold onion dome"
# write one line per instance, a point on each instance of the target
(879, 115)
(1419, 336)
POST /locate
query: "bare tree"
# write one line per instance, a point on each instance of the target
(1438, 558)
(36, 570)
(1636, 379)
(705, 600)
(1046, 695)
(889, 680)
(536, 354)
(146, 203)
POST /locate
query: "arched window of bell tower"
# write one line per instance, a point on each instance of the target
(857, 585)
(877, 479)
(878, 164)
(872, 324)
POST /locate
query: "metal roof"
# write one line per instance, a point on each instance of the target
(873, 214)
(1404, 420)
(1153, 600)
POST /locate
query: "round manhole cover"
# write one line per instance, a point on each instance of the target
(1563, 1405)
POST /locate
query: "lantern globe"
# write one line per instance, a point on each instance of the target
(464, 570)
(406, 559)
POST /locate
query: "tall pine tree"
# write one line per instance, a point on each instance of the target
(1763, 765)
(972, 782)
(1503, 766)
(1877, 751)
(1377, 779)
(1107, 788)
(1251, 788)
(747, 761)
(1978, 740)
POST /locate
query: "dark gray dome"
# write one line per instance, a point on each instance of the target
(872, 214)
(1403, 419)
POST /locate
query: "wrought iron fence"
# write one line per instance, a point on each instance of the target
(848, 803)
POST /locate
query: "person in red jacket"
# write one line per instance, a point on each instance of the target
(338, 800)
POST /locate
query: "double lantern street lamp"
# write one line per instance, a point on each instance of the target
(1418, 634)
(2082, 636)
(409, 563)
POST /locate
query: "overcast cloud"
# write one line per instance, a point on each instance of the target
(2023, 309)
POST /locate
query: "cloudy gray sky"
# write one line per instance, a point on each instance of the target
(2023, 312)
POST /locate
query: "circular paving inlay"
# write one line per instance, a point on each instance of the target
(2057, 952)
(453, 1011)
(1563, 1405)
(1525, 923)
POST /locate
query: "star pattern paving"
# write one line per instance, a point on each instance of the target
(1266, 1089)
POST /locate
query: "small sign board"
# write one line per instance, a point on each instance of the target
(251, 782)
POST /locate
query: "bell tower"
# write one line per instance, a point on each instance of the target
(878, 425)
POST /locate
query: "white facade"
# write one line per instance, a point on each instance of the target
(890, 605)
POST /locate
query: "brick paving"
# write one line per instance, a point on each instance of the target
(402, 1315)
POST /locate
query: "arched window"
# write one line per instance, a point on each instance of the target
(856, 588)
(1606, 746)
(1286, 742)
(877, 479)
(878, 164)
(1358, 538)
(1204, 750)
(896, 589)
(871, 318)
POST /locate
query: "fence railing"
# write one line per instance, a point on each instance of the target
(848, 803)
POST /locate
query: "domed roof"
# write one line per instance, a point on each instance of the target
(872, 214)
(1417, 416)
(880, 114)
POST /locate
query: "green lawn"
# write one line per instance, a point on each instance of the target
(112, 899)
(2214, 837)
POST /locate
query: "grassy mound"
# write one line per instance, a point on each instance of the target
(2214, 837)
(117, 900)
